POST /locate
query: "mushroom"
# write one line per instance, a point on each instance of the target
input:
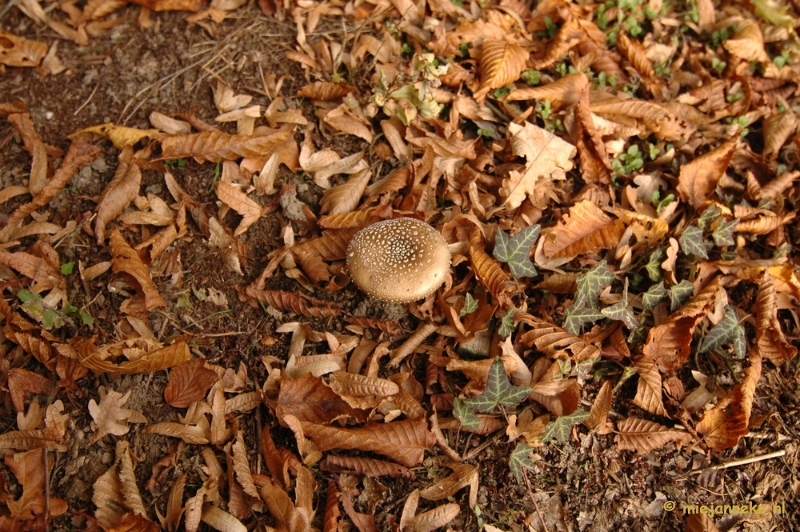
(398, 260)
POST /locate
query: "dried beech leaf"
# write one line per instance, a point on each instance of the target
(368, 467)
(648, 391)
(403, 441)
(463, 475)
(308, 399)
(601, 406)
(292, 302)
(18, 52)
(324, 90)
(118, 194)
(698, 178)
(729, 420)
(188, 383)
(120, 136)
(344, 198)
(643, 436)
(778, 128)
(436, 518)
(747, 42)
(160, 359)
(555, 342)
(351, 384)
(771, 342)
(126, 260)
(648, 115)
(130, 491)
(585, 229)
(215, 145)
(669, 344)
(488, 269)
(561, 93)
(501, 63)
(221, 520)
(237, 200)
(34, 145)
(242, 467)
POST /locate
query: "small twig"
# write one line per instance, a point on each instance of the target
(483, 446)
(744, 461)
(533, 499)
(89, 99)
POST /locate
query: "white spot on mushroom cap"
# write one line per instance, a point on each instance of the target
(398, 260)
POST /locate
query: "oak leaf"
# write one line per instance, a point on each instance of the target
(110, 416)
(547, 156)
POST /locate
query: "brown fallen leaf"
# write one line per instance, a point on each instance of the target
(771, 342)
(729, 420)
(699, 177)
(18, 52)
(643, 436)
(215, 145)
(126, 260)
(120, 136)
(29, 468)
(118, 194)
(188, 383)
(648, 390)
(35, 146)
(501, 63)
(586, 229)
(237, 200)
(308, 399)
(110, 416)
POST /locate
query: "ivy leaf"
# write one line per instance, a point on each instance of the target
(516, 250)
(469, 420)
(507, 324)
(470, 305)
(709, 216)
(576, 317)
(692, 242)
(739, 342)
(620, 311)
(562, 426)
(499, 391)
(721, 333)
(591, 283)
(723, 233)
(655, 295)
(654, 266)
(680, 294)
(520, 457)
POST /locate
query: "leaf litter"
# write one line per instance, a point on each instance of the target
(617, 207)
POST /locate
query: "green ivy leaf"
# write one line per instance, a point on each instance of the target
(499, 391)
(680, 294)
(67, 268)
(627, 373)
(692, 242)
(620, 311)
(562, 426)
(470, 305)
(739, 342)
(576, 317)
(516, 250)
(655, 295)
(721, 333)
(591, 283)
(723, 233)
(469, 420)
(654, 266)
(507, 324)
(708, 216)
(520, 457)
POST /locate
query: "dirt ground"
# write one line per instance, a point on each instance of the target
(125, 74)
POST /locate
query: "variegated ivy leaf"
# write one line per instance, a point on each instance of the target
(655, 295)
(723, 332)
(516, 250)
(577, 316)
(498, 392)
(562, 426)
(591, 283)
(470, 305)
(469, 420)
(739, 342)
(654, 266)
(507, 324)
(692, 242)
(723, 233)
(520, 457)
(708, 216)
(620, 311)
(680, 294)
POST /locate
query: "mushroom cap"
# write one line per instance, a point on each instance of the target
(398, 260)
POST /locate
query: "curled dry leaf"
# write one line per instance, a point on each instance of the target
(561, 93)
(487, 269)
(293, 302)
(122, 189)
(344, 198)
(215, 145)
(126, 260)
(771, 342)
(324, 90)
(35, 146)
(729, 420)
(643, 436)
(369, 467)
